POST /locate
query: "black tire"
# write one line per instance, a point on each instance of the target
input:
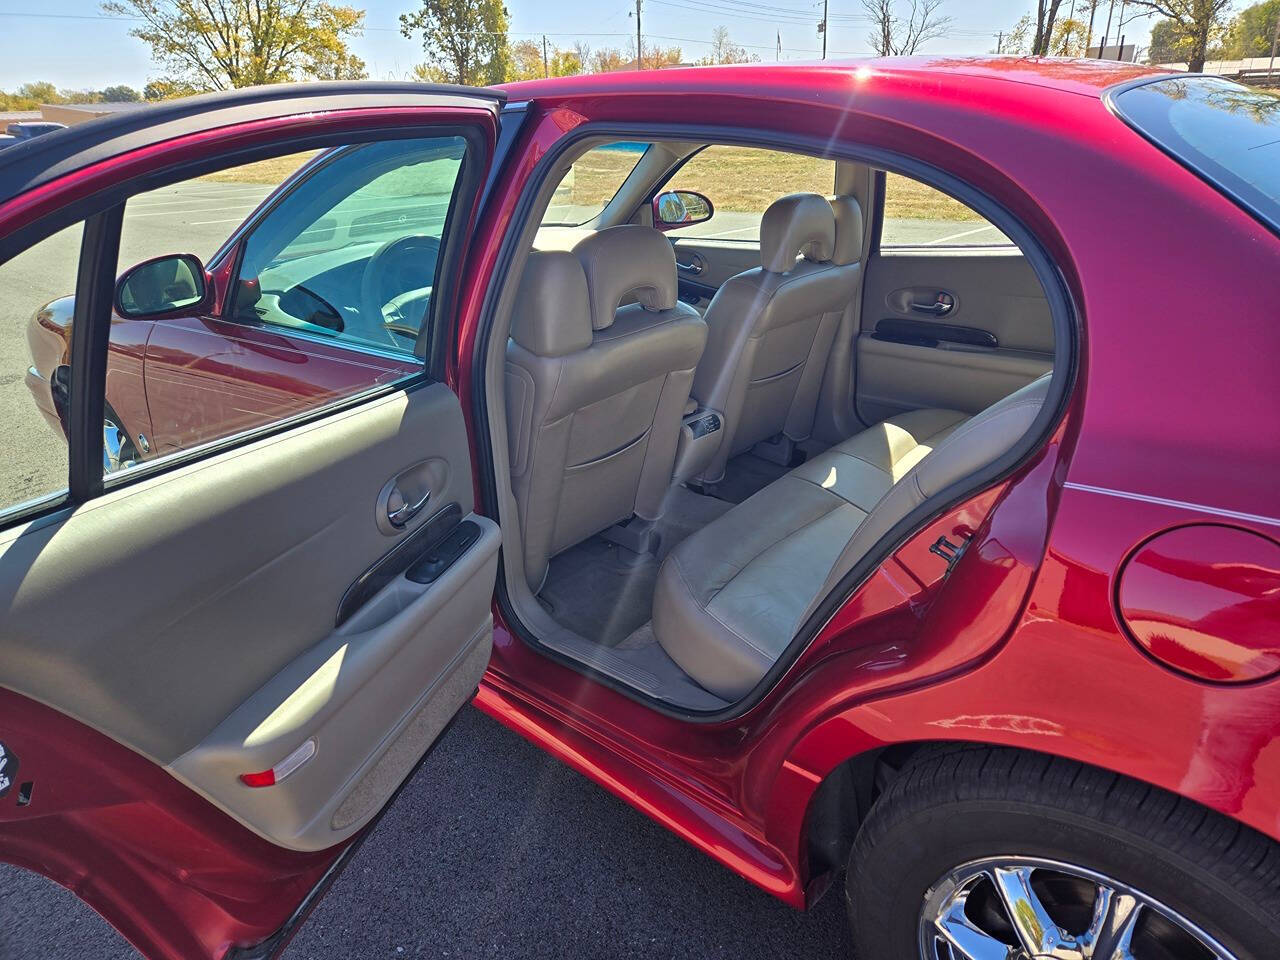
(950, 808)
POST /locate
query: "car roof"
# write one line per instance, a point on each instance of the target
(1076, 76)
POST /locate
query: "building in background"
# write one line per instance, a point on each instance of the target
(73, 113)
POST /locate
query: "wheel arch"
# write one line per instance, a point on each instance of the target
(841, 799)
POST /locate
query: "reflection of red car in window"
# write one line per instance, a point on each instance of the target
(236, 362)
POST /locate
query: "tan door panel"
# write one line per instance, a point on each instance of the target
(992, 295)
(714, 262)
(156, 612)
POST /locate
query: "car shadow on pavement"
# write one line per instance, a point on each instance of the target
(494, 849)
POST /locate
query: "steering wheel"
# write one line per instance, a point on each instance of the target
(392, 281)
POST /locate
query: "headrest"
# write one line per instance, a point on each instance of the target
(848, 246)
(799, 223)
(627, 259)
(551, 316)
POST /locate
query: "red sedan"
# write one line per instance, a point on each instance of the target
(881, 460)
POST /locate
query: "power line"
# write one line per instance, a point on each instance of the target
(739, 15)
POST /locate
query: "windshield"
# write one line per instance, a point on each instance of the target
(1227, 133)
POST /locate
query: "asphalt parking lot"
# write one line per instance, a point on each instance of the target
(494, 850)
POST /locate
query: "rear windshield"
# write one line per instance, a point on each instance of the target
(1226, 133)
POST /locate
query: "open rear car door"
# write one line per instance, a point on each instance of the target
(218, 666)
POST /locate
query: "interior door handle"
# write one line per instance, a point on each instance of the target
(695, 266)
(401, 515)
(938, 308)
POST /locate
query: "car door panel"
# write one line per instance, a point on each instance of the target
(154, 613)
(195, 620)
(704, 265)
(997, 335)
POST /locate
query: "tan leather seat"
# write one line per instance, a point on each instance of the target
(730, 597)
(595, 393)
(770, 328)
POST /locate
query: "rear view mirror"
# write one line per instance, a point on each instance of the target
(160, 286)
(680, 208)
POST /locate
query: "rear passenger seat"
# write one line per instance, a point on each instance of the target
(731, 596)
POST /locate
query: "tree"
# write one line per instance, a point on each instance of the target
(221, 44)
(167, 90)
(657, 57)
(893, 36)
(1069, 39)
(41, 91)
(1251, 32)
(1046, 15)
(724, 50)
(120, 94)
(611, 59)
(524, 61)
(566, 63)
(29, 96)
(1018, 39)
(1199, 22)
(465, 40)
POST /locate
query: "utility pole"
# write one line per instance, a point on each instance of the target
(777, 54)
(546, 70)
(824, 29)
(1275, 39)
(1088, 39)
(639, 54)
(1000, 42)
(1102, 47)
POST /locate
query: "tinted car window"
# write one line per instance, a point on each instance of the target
(1227, 133)
(916, 215)
(592, 181)
(352, 248)
(741, 182)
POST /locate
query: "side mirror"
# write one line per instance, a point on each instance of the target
(680, 208)
(161, 286)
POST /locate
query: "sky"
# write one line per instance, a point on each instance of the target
(73, 45)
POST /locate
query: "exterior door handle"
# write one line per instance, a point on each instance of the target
(401, 515)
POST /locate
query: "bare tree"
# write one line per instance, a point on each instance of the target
(894, 36)
(724, 50)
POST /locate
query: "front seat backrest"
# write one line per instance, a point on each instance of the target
(595, 394)
(770, 328)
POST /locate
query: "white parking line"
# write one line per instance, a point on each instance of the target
(246, 207)
(181, 200)
(726, 234)
(957, 236)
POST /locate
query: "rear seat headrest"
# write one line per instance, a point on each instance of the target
(628, 259)
(552, 317)
(848, 214)
(798, 224)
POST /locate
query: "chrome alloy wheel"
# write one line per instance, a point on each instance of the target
(1022, 908)
(116, 447)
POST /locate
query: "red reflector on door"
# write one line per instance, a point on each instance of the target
(264, 779)
(269, 778)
